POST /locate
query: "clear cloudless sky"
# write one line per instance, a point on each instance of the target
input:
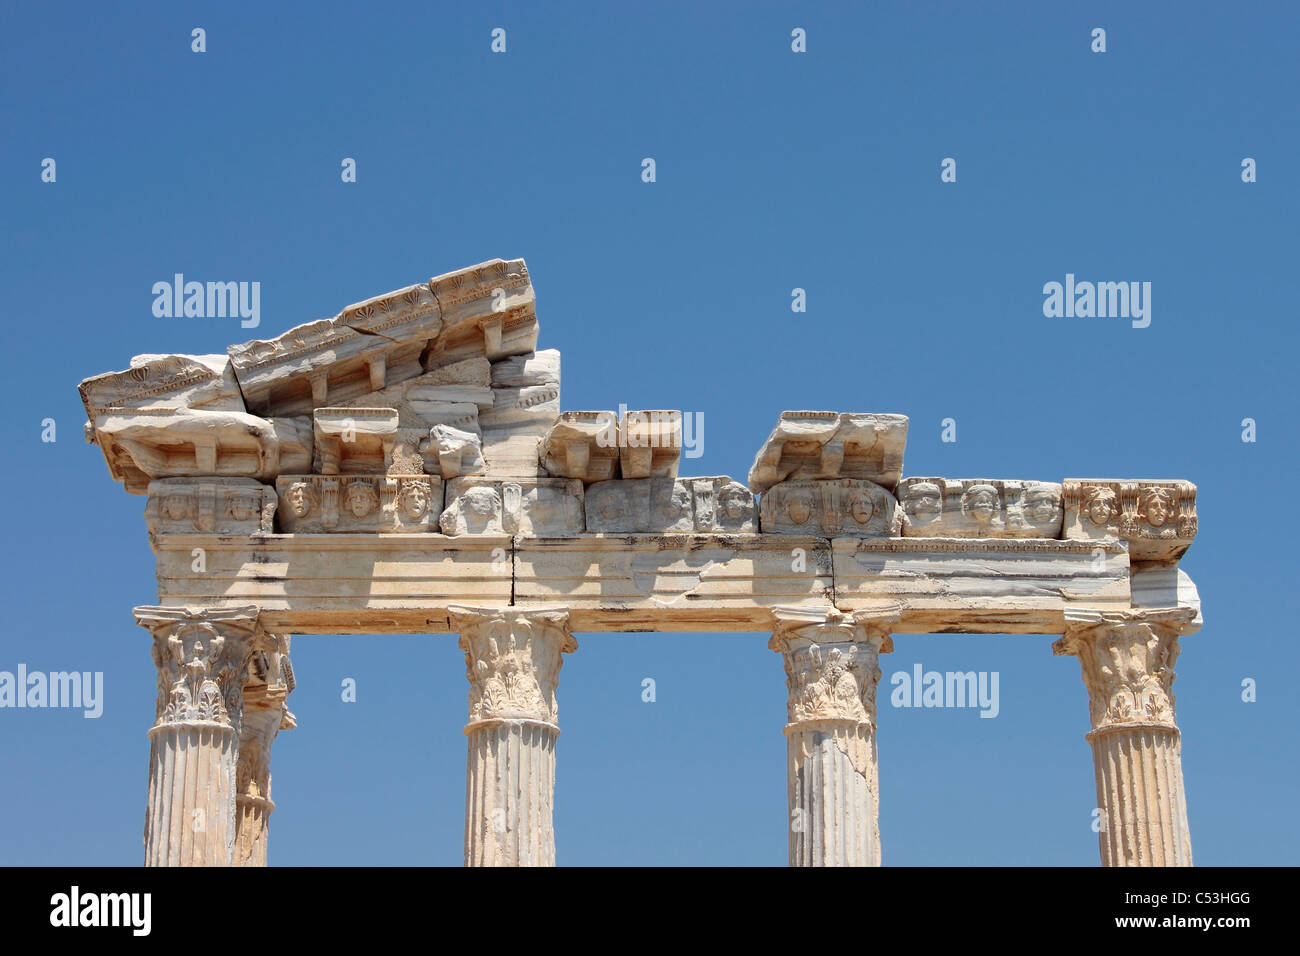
(775, 170)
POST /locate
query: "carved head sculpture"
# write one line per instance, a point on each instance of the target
(176, 506)
(1156, 505)
(1042, 504)
(732, 501)
(414, 499)
(1100, 504)
(860, 507)
(799, 506)
(482, 501)
(301, 498)
(244, 506)
(980, 502)
(923, 502)
(361, 498)
(609, 505)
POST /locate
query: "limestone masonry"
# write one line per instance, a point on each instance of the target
(405, 467)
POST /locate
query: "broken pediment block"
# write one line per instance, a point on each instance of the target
(650, 443)
(848, 506)
(582, 445)
(1156, 518)
(825, 445)
(980, 508)
(534, 368)
(165, 381)
(653, 505)
(488, 310)
(543, 507)
(354, 440)
(314, 504)
(210, 506)
(182, 443)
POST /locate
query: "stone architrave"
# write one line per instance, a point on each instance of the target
(651, 505)
(210, 506)
(1156, 518)
(266, 713)
(979, 508)
(541, 507)
(1127, 658)
(831, 666)
(202, 657)
(848, 506)
(315, 504)
(827, 445)
(512, 661)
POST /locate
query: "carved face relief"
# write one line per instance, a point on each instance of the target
(301, 499)
(481, 502)
(1157, 506)
(1042, 505)
(176, 506)
(732, 502)
(361, 499)
(981, 501)
(861, 507)
(1100, 505)
(243, 507)
(610, 507)
(923, 502)
(415, 499)
(799, 507)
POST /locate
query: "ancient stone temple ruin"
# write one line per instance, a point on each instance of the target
(405, 467)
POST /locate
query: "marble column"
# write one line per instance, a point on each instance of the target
(512, 660)
(1127, 659)
(831, 667)
(266, 713)
(202, 660)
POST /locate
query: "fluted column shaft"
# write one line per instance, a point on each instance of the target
(831, 666)
(266, 713)
(512, 661)
(202, 662)
(1127, 659)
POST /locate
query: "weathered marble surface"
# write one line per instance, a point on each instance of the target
(846, 506)
(1156, 518)
(356, 441)
(649, 443)
(314, 504)
(582, 445)
(625, 506)
(827, 445)
(210, 506)
(980, 508)
(526, 506)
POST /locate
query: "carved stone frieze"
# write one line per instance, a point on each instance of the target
(210, 506)
(582, 445)
(542, 507)
(650, 443)
(807, 445)
(356, 441)
(980, 508)
(653, 505)
(844, 507)
(1156, 518)
(312, 504)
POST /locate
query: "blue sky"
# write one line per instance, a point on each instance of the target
(775, 170)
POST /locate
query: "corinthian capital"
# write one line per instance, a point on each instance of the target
(832, 660)
(1127, 658)
(512, 660)
(202, 660)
